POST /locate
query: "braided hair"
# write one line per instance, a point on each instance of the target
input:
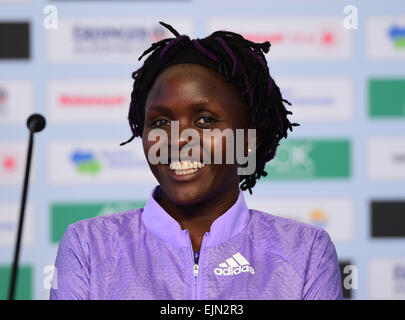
(243, 64)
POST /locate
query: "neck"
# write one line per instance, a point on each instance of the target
(198, 218)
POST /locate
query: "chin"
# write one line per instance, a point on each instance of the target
(185, 194)
(185, 190)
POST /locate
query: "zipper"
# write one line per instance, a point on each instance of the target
(195, 265)
(195, 272)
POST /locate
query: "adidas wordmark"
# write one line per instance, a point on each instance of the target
(234, 265)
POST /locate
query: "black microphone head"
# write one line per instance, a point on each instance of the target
(36, 122)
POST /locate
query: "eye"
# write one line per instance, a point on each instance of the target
(206, 120)
(160, 122)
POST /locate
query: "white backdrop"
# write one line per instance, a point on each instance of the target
(348, 151)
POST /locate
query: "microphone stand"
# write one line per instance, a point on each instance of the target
(35, 123)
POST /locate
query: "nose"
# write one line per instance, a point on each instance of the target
(181, 134)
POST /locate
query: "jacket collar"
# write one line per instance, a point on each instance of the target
(225, 227)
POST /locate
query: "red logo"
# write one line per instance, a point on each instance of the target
(92, 101)
(327, 38)
(9, 163)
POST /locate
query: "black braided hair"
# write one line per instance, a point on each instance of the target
(243, 64)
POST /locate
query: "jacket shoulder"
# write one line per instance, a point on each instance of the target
(291, 240)
(102, 228)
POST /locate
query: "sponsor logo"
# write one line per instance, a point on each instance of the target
(63, 214)
(119, 33)
(85, 162)
(8, 163)
(9, 223)
(107, 40)
(6, 226)
(234, 265)
(12, 155)
(387, 279)
(386, 158)
(386, 37)
(293, 37)
(78, 162)
(334, 214)
(88, 162)
(67, 100)
(24, 285)
(325, 37)
(317, 99)
(310, 159)
(318, 218)
(16, 101)
(387, 219)
(89, 101)
(399, 278)
(397, 34)
(379, 90)
(14, 39)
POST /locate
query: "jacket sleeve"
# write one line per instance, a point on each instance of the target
(323, 280)
(72, 275)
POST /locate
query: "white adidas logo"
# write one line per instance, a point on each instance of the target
(233, 266)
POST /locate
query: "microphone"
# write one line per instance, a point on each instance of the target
(35, 123)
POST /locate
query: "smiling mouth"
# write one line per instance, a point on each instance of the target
(185, 167)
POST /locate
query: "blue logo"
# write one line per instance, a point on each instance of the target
(118, 33)
(397, 34)
(85, 162)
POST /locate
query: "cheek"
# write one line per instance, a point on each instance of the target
(220, 149)
(155, 146)
(146, 146)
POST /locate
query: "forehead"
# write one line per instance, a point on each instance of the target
(190, 72)
(190, 83)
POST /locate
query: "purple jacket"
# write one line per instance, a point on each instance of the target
(144, 254)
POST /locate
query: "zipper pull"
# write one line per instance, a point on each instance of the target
(195, 271)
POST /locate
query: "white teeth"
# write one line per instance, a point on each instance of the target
(185, 167)
(180, 172)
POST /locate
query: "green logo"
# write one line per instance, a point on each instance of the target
(386, 97)
(86, 162)
(397, 34)
(23, 287)
(310, 159)
(63, 214)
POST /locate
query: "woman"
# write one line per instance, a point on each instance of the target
(195, 238)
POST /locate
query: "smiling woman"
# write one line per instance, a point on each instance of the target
(195, 238)
(182, 88)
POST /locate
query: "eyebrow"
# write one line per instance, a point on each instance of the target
(163, 108)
